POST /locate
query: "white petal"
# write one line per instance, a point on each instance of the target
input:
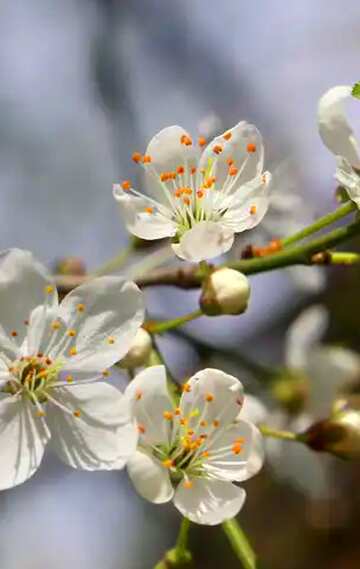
(22, 440)
(103, 437)
(167, 153)
(304, 333)
(23, 282)
(253, 410)
(249, 164)
(334, 128)
(248, 205)
(145, 225)
(40, 331)
(224, 391)
(113, 312)
(224, 464)
(349, 179)
(330, 370)
(206, 240)
(151, 479)
(149, 398)
(209, 502)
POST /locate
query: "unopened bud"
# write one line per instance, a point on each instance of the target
(139, 352)
(291, 388)
(225, 291)
(339, 435)
(70, 266)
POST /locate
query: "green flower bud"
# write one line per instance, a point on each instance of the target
(225, 291)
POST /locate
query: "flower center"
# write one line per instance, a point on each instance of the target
(33, 377)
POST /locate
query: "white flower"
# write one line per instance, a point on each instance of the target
(200, 201)
(139, 351)
(191, 454)
(339, 138)
(50, 357)
(326, 370)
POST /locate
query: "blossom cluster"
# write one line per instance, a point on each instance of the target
(56, 357)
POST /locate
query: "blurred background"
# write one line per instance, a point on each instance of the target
(84, 84)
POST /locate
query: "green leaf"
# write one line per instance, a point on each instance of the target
(356, 90)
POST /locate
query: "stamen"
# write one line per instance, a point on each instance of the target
(227, 135)
(49, 289)
(216, 423)
(105, 373)
(180, 170)
(71, 332)
(168, 463)
(193, 170)
(186, 140)
(253, 210)
(80, 307)
(126, 185)
(72, 351)
(13, 333)
(167, 415)
(69, 379)
(136, 156)
(217, 149)
(188, 484)
(77, 413)
(203, 423)
(251, 147)
(200, 194)
(186, 201)
(201, 141)
(40, 413)
(233, 171)
(230, 161)
(111, 340)
(149, 210)
(209, 397)
(177, 411)
(138, 394)
(147, 159)
(186, 387)
(141, 429)
(55, 325)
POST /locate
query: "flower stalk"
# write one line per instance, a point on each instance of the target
(166, 325)
(240, 544)
(179, 556)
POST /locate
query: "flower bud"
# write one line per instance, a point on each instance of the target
(339, 435)
(225, 291)
(139, 352)
(70, 266)
(290, 388)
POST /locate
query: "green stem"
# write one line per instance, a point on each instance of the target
(240, 544)
(344, 258)
(115, 263)
(278, 434)
(166, 325)
(297, 255)
(320, 223)
(180, 555)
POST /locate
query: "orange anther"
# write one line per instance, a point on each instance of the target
(190, 432)
(193, 169)
(251, 147)
(186, 201)
(217, 149)
(177, 411)
(164, 176)
(13, 333)
(146, 159)
(105, 373)
(138, 394)
(203, 423)
(149, 210)
(188, 484)
(40, 413)
(172, 175)
(141, 429)
(111, 340)
(69, 379)
(183, 421)
(200, 194)
(230, 161)
(167, 415)
(233, 171)
(186, 140)
(49, 289)
(168, 463)
(55, 325)
(72, 351)
(71, 332)
(186, 387)
(253, 210)
(136, 156)
(227, 135)
(126, 185)
(77, 413)
(205, 454)
(237, 447)
(216, 423)
(80, 307)
(201, 141)
(178, 193)
(180, 169)
(209, 397)
(187, 191)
